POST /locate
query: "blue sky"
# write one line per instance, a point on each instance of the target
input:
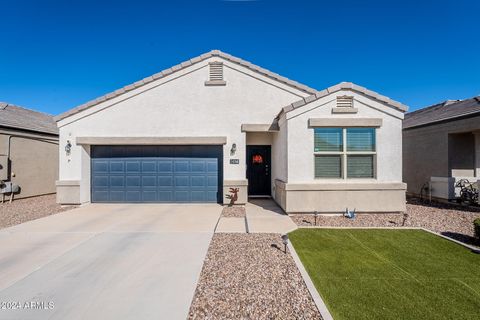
(55, 55)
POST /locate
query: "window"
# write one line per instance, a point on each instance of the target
(343, 153)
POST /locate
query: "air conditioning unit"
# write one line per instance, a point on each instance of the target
(9, 187)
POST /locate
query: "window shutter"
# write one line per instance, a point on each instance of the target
(360, 166)
(360, 139)
(328, 139)
(328, 166)
(216, 71)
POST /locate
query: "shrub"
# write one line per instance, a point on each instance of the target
(476, 225)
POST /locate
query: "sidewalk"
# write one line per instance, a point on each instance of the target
(262, 216)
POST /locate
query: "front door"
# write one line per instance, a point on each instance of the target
(258, 170)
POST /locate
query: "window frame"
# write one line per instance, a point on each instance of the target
(344, 156)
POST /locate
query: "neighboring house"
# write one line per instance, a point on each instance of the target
(28, 150)
(216, 123)
(441, 144)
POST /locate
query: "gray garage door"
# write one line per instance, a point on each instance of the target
(156, 173)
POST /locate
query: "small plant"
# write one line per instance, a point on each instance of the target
(476, 226)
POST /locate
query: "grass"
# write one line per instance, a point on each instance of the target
(390, 274)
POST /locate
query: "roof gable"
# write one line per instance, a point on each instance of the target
(341, 86)
(181, 66)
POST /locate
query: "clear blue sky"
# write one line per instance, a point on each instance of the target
(55, 55)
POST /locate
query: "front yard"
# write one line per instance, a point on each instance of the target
(390, 274)
(447, 219)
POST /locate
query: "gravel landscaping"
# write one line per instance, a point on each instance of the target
(23, 210)
(248, 276)
(233, 212)
(447, 219)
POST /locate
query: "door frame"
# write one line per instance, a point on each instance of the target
(268, 186)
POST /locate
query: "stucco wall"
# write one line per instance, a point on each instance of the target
(301, 137)
(279, 153)
(179, 105)
(426, 153)
(33, 161)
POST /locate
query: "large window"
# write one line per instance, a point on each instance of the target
(344, 153)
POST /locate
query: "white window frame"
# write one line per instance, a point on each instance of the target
(344, 156)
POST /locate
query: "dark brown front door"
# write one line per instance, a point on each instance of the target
(258, 170)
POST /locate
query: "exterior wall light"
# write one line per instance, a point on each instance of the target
(233, 149)
(68, 148)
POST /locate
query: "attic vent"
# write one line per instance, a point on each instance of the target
(215, 74)
(344, 102)
(344, 105)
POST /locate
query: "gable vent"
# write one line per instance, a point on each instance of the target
(215, 74)
(344, 102)
(344, 105)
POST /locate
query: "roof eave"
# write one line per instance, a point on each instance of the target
(344, 86)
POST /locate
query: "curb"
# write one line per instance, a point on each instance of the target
(321, 306)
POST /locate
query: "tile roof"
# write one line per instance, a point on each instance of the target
(341, 86)
(185, 64)
(444, 111)
(16, 117)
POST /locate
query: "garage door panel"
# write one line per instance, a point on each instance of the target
(212, 166)
(165, 166)
(149, 181)
(100, 181)
(100, 166)
(116, 166)
(212, 181)
(211, 196)
(117, 181)
(139, 174)
(182, 166)
(182, 196)
(182, 181)
(165, 182)
(100, 196)
(117, 196)
(132, 167)
(149, 167)
(197, 166)
(197, 181)
(132, 181)
(165, 196)
(133, 196)
(149, 195)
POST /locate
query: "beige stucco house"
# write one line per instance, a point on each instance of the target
(28, 152)
(216, 124)
(441, 145)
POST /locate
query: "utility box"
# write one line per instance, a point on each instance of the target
(4, 167)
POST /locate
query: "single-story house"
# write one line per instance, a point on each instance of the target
(441, 145)
(217, 128)
(28, 152)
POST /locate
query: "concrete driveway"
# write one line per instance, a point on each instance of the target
(105, 261)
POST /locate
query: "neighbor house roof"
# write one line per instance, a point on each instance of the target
(16, 117)
(444, 111)
(185, 64)
(342, 86)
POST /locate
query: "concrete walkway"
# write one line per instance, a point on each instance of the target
(265, 216)
(262, 216)
(106, 262)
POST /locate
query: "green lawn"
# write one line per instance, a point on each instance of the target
(390, 274)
